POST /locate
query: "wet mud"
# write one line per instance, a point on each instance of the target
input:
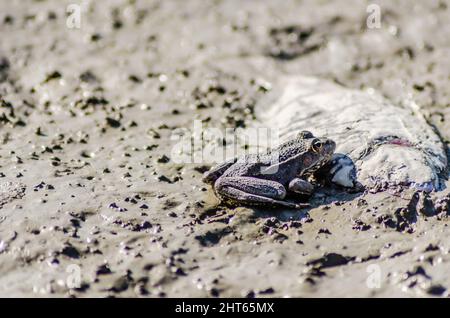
(94, 203)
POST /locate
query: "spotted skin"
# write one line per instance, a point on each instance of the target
(265, 179)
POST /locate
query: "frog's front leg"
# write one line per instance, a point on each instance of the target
(301, 186)
(252, 191)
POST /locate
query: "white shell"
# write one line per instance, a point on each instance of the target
(355, 120)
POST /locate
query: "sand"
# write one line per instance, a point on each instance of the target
(95, 202)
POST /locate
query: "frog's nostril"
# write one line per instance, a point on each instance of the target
(331, 145)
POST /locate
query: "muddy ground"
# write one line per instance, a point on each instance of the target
(94, 204)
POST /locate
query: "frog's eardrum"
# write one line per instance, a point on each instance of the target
(389, 145)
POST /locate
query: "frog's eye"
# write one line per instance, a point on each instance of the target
(305, 134)
(317, 145)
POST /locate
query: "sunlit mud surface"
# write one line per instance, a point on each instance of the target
(95, 202)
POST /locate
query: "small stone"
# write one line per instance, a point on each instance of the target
(103, 270)
(163, 159)
(112, 122)
(70, 251)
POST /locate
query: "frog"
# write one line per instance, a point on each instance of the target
(265, 179)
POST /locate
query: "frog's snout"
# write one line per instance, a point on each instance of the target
(329, 147)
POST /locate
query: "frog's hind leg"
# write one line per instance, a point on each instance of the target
(216, 172)
(252, 191)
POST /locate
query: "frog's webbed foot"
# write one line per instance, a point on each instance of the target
(301, 186)
(253, 191)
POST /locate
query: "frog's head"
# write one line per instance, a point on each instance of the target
(318, 151)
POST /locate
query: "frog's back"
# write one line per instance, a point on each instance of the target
(248, 165)
(257, 165)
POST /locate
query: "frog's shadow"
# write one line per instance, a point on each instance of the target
(322, 197)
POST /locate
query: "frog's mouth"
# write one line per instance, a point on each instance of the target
(325, 156)
(319, 164)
